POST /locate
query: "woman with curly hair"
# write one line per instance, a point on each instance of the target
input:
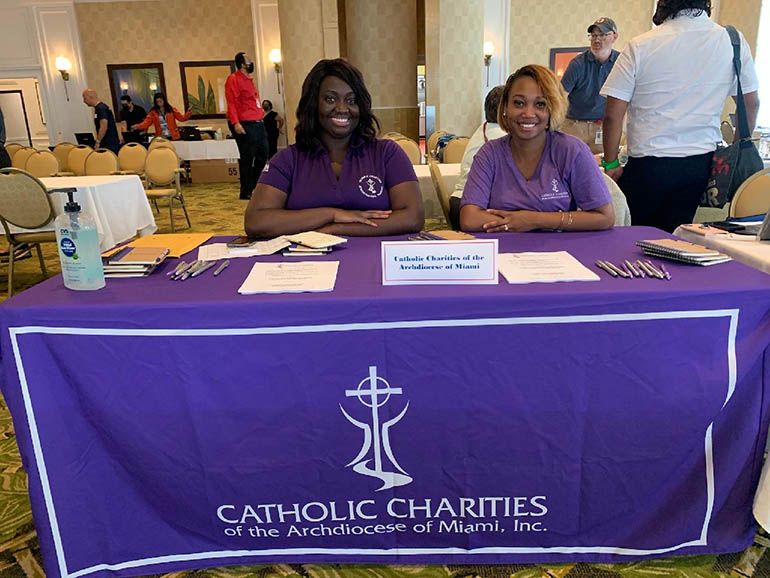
(338, 177)
(673, 82)
(535, 177)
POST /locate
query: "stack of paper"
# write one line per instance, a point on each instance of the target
(316, 240)
(216, 251)
(682, 251)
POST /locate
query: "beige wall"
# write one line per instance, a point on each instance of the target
(302, 45)
(460, 47)
(536, 28)
(167, 31)
(744, 15)
(387, 57)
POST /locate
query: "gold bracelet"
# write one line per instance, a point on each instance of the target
(569, 221)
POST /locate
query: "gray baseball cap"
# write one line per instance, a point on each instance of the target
(604, 24)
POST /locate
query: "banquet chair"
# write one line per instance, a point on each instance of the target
(455, 149)
(727, 131)
(101, 162)
(433, 142)
(131, 158)
(20, 157)
(619, 203)
(160, 170)
(12, 147)
(42, 164)
(76, 160)
(62, 152)
(24, 202)
(442, 192)
(411, 148)
(753, 196)
(159, 141)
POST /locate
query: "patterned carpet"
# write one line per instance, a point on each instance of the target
(216, 208)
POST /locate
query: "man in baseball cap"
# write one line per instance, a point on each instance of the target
(583, 79)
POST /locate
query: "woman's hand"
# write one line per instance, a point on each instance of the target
(508, 221)
(365, 217)
(615, 173)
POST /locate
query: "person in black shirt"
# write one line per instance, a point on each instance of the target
(107, 135)
(273, 127)
(131, 113)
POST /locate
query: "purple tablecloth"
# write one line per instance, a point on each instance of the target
(167, 425)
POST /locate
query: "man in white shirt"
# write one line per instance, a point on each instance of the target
(673, 81)
(489, 130)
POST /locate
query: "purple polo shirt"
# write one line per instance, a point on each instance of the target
(567, 178)
(370, 170)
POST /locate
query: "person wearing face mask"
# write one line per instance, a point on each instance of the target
(245, 119)
(338, 178)
(536, 177)
(583, 79)
(131, 113)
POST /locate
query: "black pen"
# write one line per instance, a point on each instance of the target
(121, 251)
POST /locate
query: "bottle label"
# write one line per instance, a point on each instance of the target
(68, 247)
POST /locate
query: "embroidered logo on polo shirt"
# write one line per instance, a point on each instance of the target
(554, 192)
(370, 186)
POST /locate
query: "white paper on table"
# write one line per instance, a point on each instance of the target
(316, 240)
(216, 251)
(300, 277)
(543, 268)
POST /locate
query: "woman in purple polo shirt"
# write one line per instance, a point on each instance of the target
(536, 177)
(338, 178)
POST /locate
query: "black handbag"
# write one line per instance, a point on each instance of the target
(732, 165)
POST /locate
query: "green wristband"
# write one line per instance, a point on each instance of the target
(611, 165)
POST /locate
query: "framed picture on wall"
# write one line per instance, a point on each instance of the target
(560, 57)
(203, 87)
(139, 81)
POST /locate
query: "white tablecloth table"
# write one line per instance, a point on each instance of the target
(450, 172)
(743, 248)
(204, 150)
(118, 204)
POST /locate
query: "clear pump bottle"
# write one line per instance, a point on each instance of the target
(78, 242)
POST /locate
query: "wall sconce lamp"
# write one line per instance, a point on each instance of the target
(63, 65)
(124, 87)
(154, 87)
(275, 58)
(489, 49)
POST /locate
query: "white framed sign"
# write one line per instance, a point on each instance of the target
(471, 262)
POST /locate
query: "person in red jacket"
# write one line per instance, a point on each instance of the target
(163, 117)
(244, 117)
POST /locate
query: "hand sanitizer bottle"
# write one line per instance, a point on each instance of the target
(78, 241)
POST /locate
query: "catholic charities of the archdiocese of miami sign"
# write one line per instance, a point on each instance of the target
(376, 459)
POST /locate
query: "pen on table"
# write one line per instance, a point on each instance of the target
(642, 272)
(628, 270)
(618, 270)
(222, 267)
(178, 267)
(604, 267)
(643, 266)
(665, 272)
(205, 267)
(185, 269)
(651, 271)
(658, 273)
(634, 270)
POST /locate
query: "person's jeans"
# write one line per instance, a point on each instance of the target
(252, 147)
